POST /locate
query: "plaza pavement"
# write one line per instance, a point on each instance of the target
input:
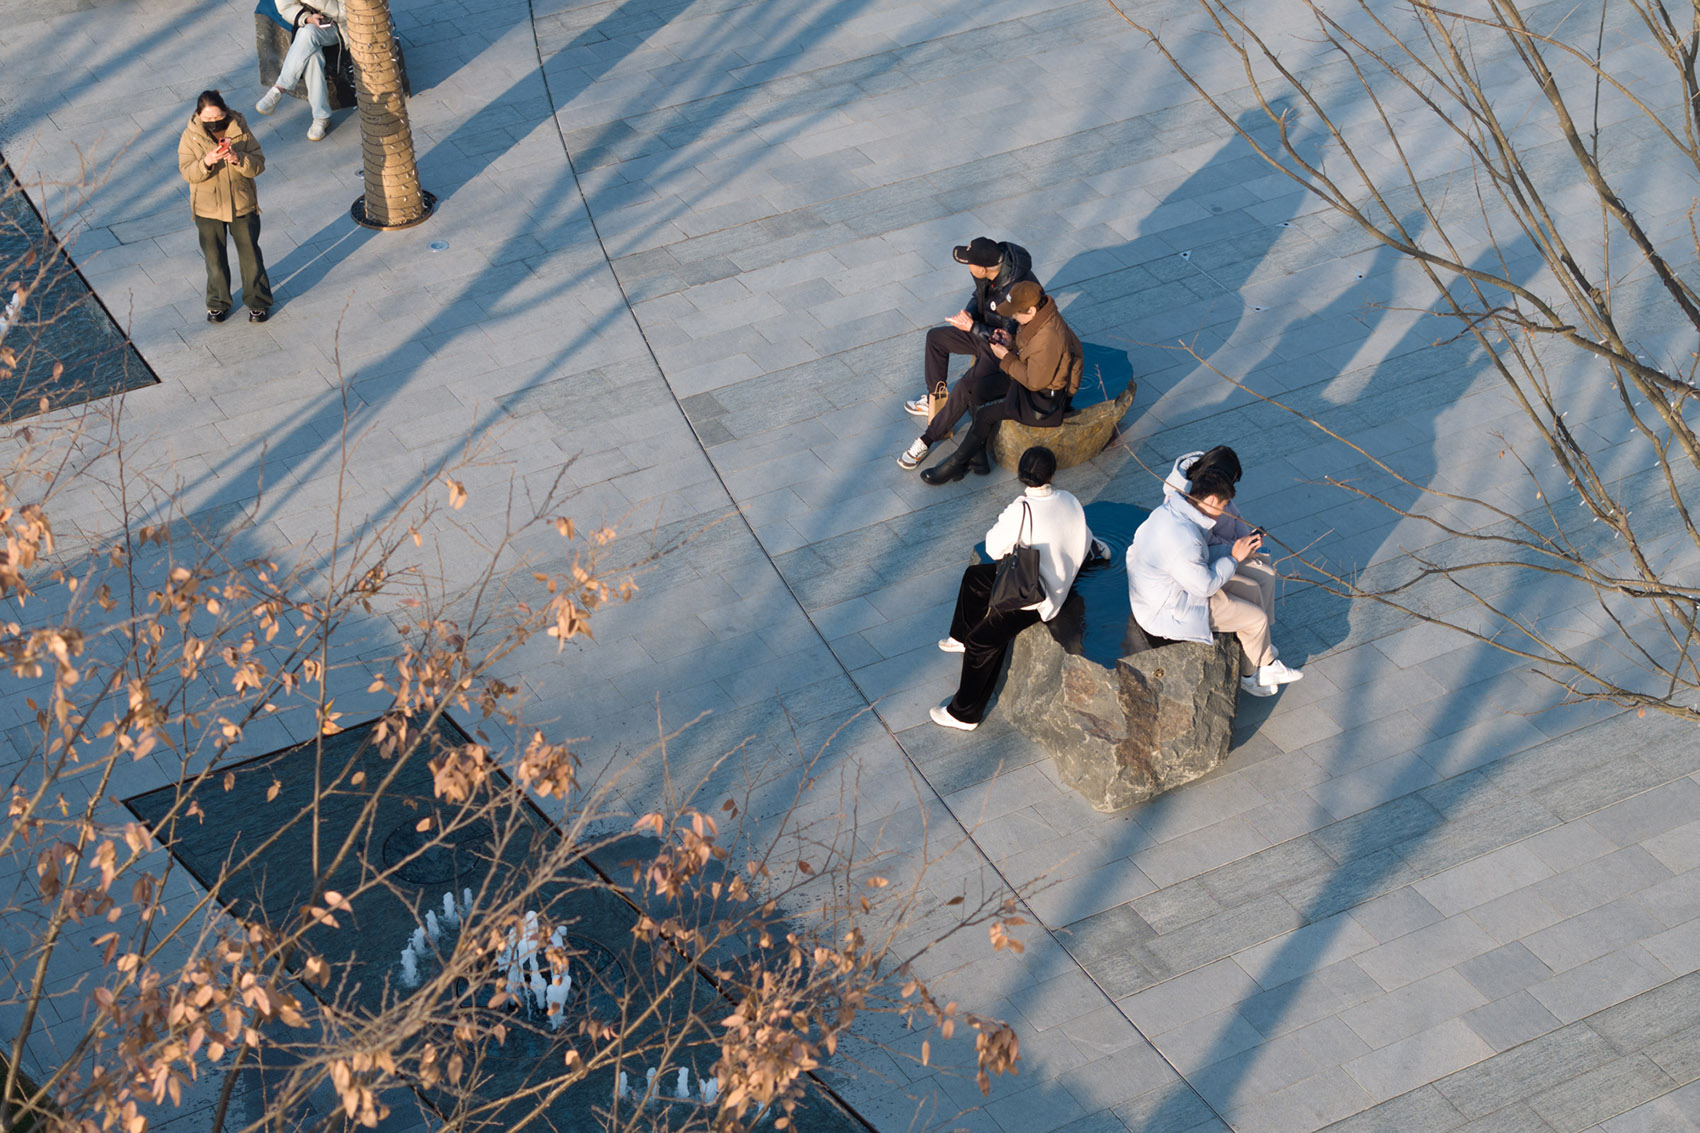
(1413, 898)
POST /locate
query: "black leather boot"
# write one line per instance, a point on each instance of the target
(955, 466)
(982, 462)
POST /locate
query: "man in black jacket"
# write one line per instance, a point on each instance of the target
(996, 267)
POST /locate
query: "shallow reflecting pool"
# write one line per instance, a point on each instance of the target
(59, 342)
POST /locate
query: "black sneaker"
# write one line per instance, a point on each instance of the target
(258, 316)
(214, 315)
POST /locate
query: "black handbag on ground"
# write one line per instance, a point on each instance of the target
(1017, 584)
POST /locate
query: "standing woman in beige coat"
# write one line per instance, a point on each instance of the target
(220, 159)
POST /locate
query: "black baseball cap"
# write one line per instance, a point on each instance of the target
(981, 252)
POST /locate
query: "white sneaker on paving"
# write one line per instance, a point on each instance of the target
(951, 645)
(1250, 685)
(920, 407)
(914, 455)
(941, 715)
(317, 131)
(1275, 673)
(268, 101)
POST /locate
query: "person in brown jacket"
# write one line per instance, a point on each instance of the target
(220, 158)
(1045, 362)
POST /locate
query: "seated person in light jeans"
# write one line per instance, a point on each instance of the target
(315, 29)
(1183, 588)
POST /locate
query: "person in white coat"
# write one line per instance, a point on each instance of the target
(1046, 518)
(1259, 569)
(316, 28)
(1183, 588)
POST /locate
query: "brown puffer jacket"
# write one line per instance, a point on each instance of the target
(226, 191)
(1047, 354)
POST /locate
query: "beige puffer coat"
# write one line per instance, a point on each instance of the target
(225, 191)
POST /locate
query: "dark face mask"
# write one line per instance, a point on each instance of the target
(217, 128)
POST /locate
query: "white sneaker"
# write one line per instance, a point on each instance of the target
(920, 407)
(268, 101)
(941, 715)
(1250, 685)
(951, 645)
(1275, 673)
(914, 455)
(317, 131)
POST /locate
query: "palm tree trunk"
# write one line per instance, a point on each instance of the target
(393, 197)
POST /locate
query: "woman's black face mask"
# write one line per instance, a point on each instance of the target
(218, 127)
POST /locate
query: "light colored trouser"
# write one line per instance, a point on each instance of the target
(1245, 607)
(307, 55)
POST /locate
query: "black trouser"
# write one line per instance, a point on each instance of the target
(985, 638)
(1041, 409)
(983, 383)
(245, 231)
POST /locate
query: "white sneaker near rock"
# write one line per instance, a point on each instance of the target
(317, 131)
(1275, 674)
(268, 101)
(941, 715)
(914, 455)
(951, 645)
(1250, 685)
(920, 407)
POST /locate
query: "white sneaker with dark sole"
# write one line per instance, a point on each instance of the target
(941, 715)
(914, 455)
(919, 407)
(1275, 673)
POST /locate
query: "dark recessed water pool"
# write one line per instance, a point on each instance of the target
(60, 343)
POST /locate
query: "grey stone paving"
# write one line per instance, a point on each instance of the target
(1413, 897)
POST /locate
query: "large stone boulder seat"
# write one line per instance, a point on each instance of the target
(1084, 433)
(271, 43)
(1124, 716)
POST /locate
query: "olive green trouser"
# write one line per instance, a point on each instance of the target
(245, 231)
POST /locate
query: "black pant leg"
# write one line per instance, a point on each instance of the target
(971, 598)
(256, 287)
(982, 659)
(211, 234)
(989, 382)
(987, 418)
(959, 403)
(942, 342)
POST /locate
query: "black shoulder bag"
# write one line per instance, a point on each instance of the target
(1017, 584)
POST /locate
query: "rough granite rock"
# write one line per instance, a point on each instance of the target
(1119, 736)
(1083, 434)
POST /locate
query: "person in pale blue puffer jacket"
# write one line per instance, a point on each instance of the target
(1183, 588)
